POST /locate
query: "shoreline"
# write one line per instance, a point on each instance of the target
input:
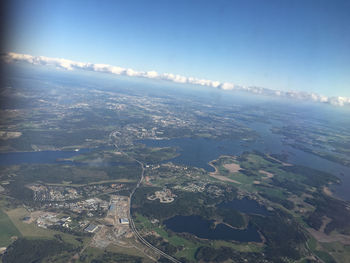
(216, 173)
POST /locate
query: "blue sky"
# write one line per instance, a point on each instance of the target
(285, 45)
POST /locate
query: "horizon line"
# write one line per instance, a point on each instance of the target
(71, 65)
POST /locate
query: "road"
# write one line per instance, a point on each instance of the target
(131, 221)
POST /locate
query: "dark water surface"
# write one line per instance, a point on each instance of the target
(38, 157)
(245, 205)
(202, 229)
(199, 152)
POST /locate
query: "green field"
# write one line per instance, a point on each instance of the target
(7, 230)
(114, 254)
(33, 231)
(190, 247)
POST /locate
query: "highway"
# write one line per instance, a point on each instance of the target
(131, 221)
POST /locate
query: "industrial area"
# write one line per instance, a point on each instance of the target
(116, 224)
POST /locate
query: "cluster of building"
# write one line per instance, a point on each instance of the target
(91, 228)
(164, 196)
(93, 206)
(116, 224)
(202, 187)
(192, 187)
(49, 219)
(64, 193)
(90, 205)
(53, 193)
(252, 196)
(90, 190)
(215, 190)
(116, 221)
(118, 210)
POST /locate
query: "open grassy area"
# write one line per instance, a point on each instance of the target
(190, 247)
(125, 254)
(7, 230)
(174, 240)
(243, 179)
(243, 247)
(123, 180)
(33, 231)
(130, 250)
(188, 252)
(327, 251)
(340, 252)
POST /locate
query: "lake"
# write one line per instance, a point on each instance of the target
(38, 157)
(202, 228)
(199, 152)
(246, 206)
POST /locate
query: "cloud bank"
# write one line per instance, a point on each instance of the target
(72, 65)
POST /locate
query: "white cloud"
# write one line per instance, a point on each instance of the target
(339, 101)
(227, 86)
(67, 64)
(117, 70)
(151, 74)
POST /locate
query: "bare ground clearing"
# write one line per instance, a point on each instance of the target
(283, 163)
(327, 191)
(232, 167)
(323, 237)
(217, 175)
(268, 174)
